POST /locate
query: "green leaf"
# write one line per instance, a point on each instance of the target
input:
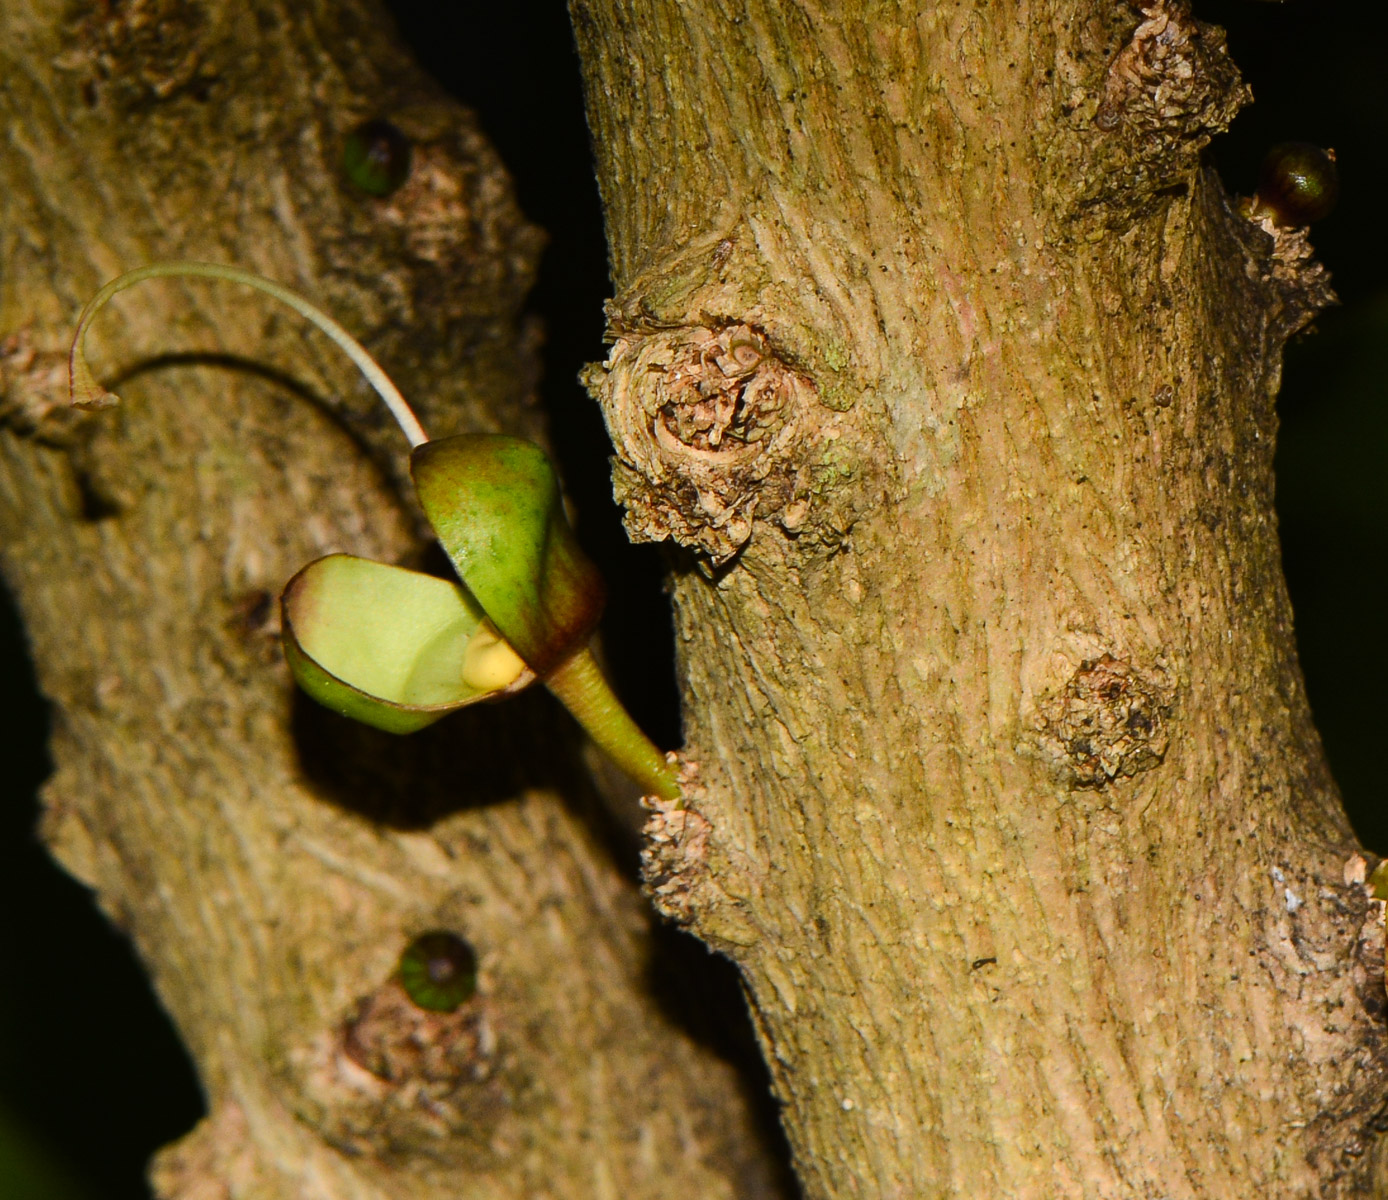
(494, 503)
(389, 647)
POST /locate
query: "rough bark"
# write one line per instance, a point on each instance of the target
(953, 371)
(268, 860)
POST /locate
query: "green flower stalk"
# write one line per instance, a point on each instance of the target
(399, 649)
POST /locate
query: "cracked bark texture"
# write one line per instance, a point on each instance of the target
(269, 860)
(1004, 793)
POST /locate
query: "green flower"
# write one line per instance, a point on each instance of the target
(399, 649)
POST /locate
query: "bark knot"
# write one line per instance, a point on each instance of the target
(1174, 78)
(1298, 281)
(408, 1047)
(393, 1078)
(1166, 93)
(447, 218)
(674, 860)
(691, 875)
(148, 50)
(1109, 721)
(1369, 889)
(713, 429)
(33, 390)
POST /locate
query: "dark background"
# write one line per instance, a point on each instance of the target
(92, 1077)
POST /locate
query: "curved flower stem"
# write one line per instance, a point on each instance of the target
(87, 393)
(580, 686)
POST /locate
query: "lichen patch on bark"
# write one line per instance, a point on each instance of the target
(714, 430)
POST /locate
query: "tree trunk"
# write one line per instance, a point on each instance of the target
(953, 371)
(269, 860)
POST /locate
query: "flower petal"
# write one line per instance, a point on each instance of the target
(495, 504)
(385, 646)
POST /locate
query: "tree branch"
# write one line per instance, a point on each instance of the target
(1004, 792)
(269, 861)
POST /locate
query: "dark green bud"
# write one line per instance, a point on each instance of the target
(376, 157)
(439, 971)
(1297, 184)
